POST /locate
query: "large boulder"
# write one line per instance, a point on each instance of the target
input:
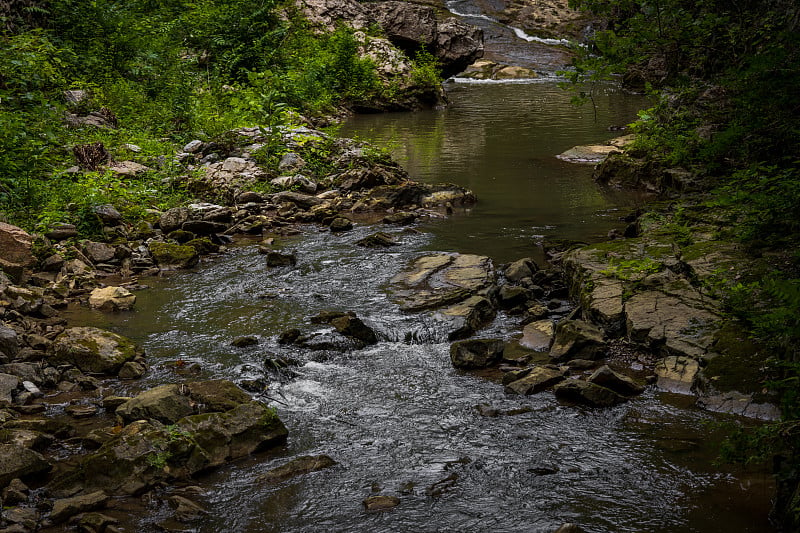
(327, 15)
(465, 318)
(146, 453)
(93, 350)
(476, 353)
(19, 462)
(457, 45)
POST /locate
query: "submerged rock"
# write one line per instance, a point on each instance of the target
(381, 503)
(297, 467)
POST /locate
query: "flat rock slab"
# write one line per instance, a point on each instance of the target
(739, 404)
(437, 280)
(594, 153)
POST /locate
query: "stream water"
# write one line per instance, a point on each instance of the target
(397, 418)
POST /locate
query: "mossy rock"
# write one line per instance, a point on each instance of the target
(177, 255)
(738, 365)
(93, 350)
(204, 246)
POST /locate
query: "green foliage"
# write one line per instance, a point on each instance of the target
(632, 269)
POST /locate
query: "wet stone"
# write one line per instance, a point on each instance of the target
(81, 411)
(381, 503)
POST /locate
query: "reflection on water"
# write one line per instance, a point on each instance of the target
(500, 140)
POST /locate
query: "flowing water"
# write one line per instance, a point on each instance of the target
(396, 416)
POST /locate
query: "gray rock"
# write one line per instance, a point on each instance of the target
(296, 181)
(377, 240)
(476, 353)
(193, 146)
(62, 232)
(108, 214)
(510, 296)
(304, 201)
(204, 227)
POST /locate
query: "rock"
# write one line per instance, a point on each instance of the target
(278, 259)
(15, 245)
(401, 218)
(242, 342)
(166, 403)
(128, 168)
(112, 299)
(144, 454)
(230, 175)
(81, 411)
(174, 255)
(467, 317)
(576, 339)
(677, 374)
(15, 493)
(9, 342)
(406, 25)
(185, 509)
(510, 296)
(569, 528)
(291, 161)
(62, 232)
(438, 280)
(249, 197)
(377, 240)
(538, 379)
(303, 201)
(583, 392)
(132, 370)
(173, 219)
(98, 252)
(538, 335)
(297, 467)
(96, 522)
(296, 181)
(204, 227)
(192, 147)
(605, 377)
(734, 402)
(381, 503)
(352, 326)
(26, 438)
(19, 462)
(406, 194)
(217, 395)
(457, 45)
(663, 321)
(520, 269)
(93, 350)
(327, 15)
(594, 154)
(476, 353)
(24, 519)
(68, 507)
(340, 224)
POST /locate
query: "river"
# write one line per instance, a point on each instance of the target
(397, 418)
